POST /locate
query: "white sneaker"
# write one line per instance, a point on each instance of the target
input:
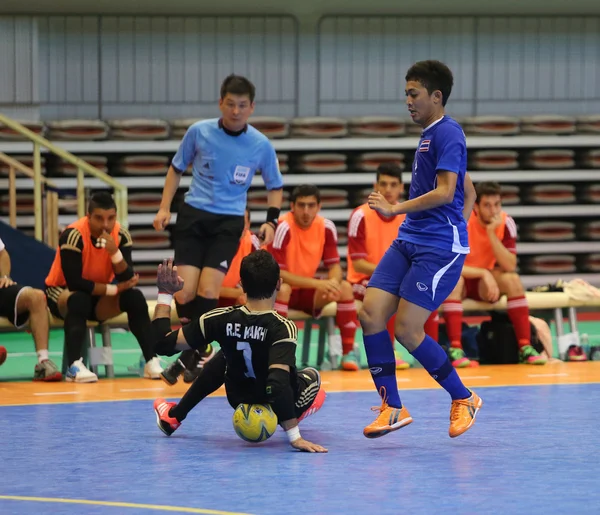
(79, 373)
(152, 369)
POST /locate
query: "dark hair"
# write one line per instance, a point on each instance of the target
(259, 273)
(433, 75)
(488, 188)
(237, 85)
(305, 190)
(390, 169)
(101, 200)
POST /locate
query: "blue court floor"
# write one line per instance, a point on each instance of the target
(533, 450)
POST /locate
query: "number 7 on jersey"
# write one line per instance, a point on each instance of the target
(247, 351)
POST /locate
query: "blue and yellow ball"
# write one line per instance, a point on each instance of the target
(254, 422)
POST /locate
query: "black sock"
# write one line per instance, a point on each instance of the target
(210, 379)
(134, 304)
(79, 311)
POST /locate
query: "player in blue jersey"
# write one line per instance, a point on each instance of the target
(424, 263)
(225, 153)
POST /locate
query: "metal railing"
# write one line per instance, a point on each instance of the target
(50, 231)
(119, 190)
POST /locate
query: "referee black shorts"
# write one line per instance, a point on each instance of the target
(9, 297)
(206, 239)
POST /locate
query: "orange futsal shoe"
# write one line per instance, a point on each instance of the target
(389, 419)
(462, 414)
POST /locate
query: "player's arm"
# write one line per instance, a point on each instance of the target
(470, 197)
(451, 149)
(4, 261)
(442, 194)
(471, 272)
(280, 395)
(196, 335)
(505, 250)
(331, 256)
(122, 260)
(357, 244)
(5, 279)
(71, 256)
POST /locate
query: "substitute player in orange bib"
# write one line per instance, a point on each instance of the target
(488, 273)
(92, 252)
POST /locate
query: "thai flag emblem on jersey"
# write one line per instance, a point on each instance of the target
(424, 146)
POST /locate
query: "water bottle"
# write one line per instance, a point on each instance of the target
(585, 344)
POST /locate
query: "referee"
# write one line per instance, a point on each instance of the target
(224, 153)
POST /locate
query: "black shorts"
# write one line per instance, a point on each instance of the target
(52, 294)
(206, 239)
(8, 305)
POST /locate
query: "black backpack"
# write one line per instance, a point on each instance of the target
(497, 341)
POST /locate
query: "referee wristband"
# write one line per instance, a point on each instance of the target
(117, 257)
(293, 434)
(273, 216)
(111, 290)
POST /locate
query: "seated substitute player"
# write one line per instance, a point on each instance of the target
(19, 304)
(488, 273)
(92, 252)
(302, 240)
(423, 265)
(369, 236)
(257, 360)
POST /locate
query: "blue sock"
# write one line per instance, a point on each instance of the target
(382, 365)
(435, 360)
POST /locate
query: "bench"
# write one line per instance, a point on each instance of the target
(538, 301)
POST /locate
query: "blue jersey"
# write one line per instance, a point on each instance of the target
(224, 165)
(442, 148)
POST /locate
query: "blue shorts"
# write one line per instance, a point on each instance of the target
(422, 275)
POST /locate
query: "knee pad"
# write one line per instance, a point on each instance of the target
(80, 305)
(132, 301)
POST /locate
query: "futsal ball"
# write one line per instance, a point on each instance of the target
(254, 422)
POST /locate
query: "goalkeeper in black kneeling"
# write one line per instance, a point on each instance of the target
(257, 359)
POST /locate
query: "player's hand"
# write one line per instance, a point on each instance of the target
(266, 233)
(107, 242)
(241, 300)
(167, 279)
(162, 219)
(491, 286)
(494, 223)
(127, 285)
(304, 445)
(5, 282)
(330, 288)
(378, 203)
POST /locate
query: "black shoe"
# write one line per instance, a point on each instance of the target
(200, 358)
(170, 375)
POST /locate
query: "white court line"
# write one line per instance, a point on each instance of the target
(476, 377)
(56, 393)
(561, 374)
(142, 389)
